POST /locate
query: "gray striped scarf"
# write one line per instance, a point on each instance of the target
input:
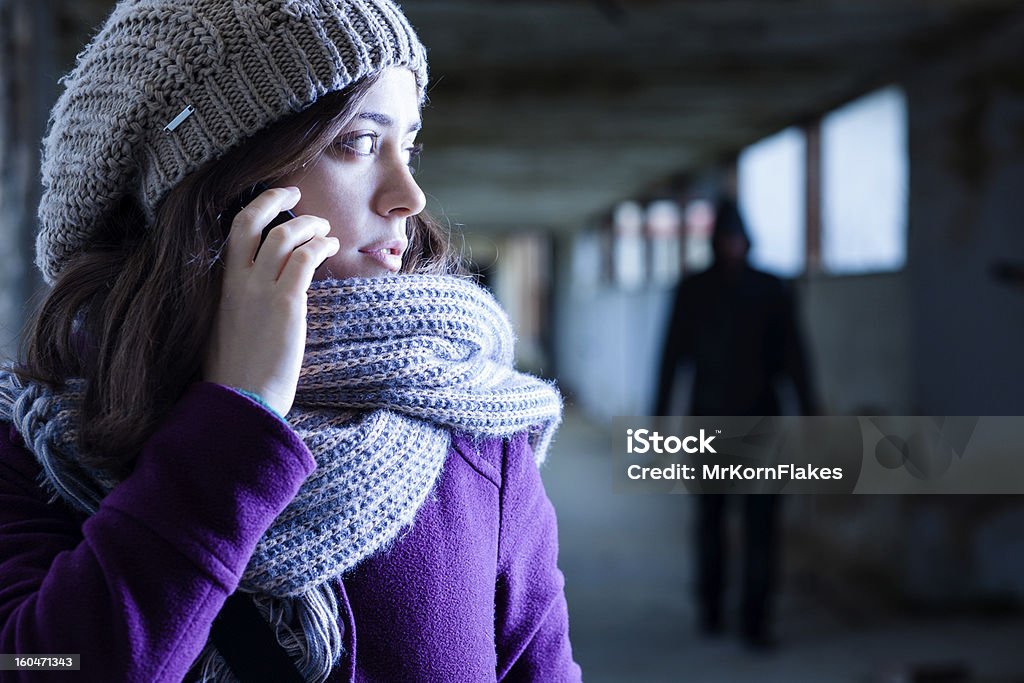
(392, 366)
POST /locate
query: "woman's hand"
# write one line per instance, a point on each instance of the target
(259, 334)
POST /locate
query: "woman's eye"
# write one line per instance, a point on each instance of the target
(364, 143)
(414, 153)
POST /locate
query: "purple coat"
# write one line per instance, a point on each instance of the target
(471, 592)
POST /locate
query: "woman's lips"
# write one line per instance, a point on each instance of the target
(387, 254)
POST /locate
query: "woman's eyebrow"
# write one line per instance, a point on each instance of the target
(387, 121)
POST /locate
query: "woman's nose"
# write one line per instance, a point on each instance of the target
(399, 194)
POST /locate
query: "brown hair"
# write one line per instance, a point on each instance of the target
(132, 314)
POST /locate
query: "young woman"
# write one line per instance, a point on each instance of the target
(320, 420)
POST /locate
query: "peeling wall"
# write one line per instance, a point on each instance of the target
(965, 335)
(967, 217)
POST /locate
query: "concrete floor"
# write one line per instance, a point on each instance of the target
(626, 560)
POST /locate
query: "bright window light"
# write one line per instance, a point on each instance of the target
(864, 184)
(772, 201)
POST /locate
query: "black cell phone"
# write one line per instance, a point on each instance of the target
(243, 199)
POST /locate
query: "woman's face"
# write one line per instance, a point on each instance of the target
(363, 184)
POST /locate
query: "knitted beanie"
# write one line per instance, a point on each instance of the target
(168, 85)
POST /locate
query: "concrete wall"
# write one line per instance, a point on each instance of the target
(930, 553)
(17, 168)
(967, 214)
(607, 339)
(28, 74)
(858, 332)
(964, 335)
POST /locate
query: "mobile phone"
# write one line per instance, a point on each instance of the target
(243, 199)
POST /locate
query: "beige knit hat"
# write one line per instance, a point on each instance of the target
(168, 85)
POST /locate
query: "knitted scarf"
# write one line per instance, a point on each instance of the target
(392, 366)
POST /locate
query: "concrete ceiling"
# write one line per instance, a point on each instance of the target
(543, 114)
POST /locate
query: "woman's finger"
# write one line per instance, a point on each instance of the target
(303, 262)
(282, 240)
(247, 226)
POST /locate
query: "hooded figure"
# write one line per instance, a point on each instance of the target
(737, 327)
